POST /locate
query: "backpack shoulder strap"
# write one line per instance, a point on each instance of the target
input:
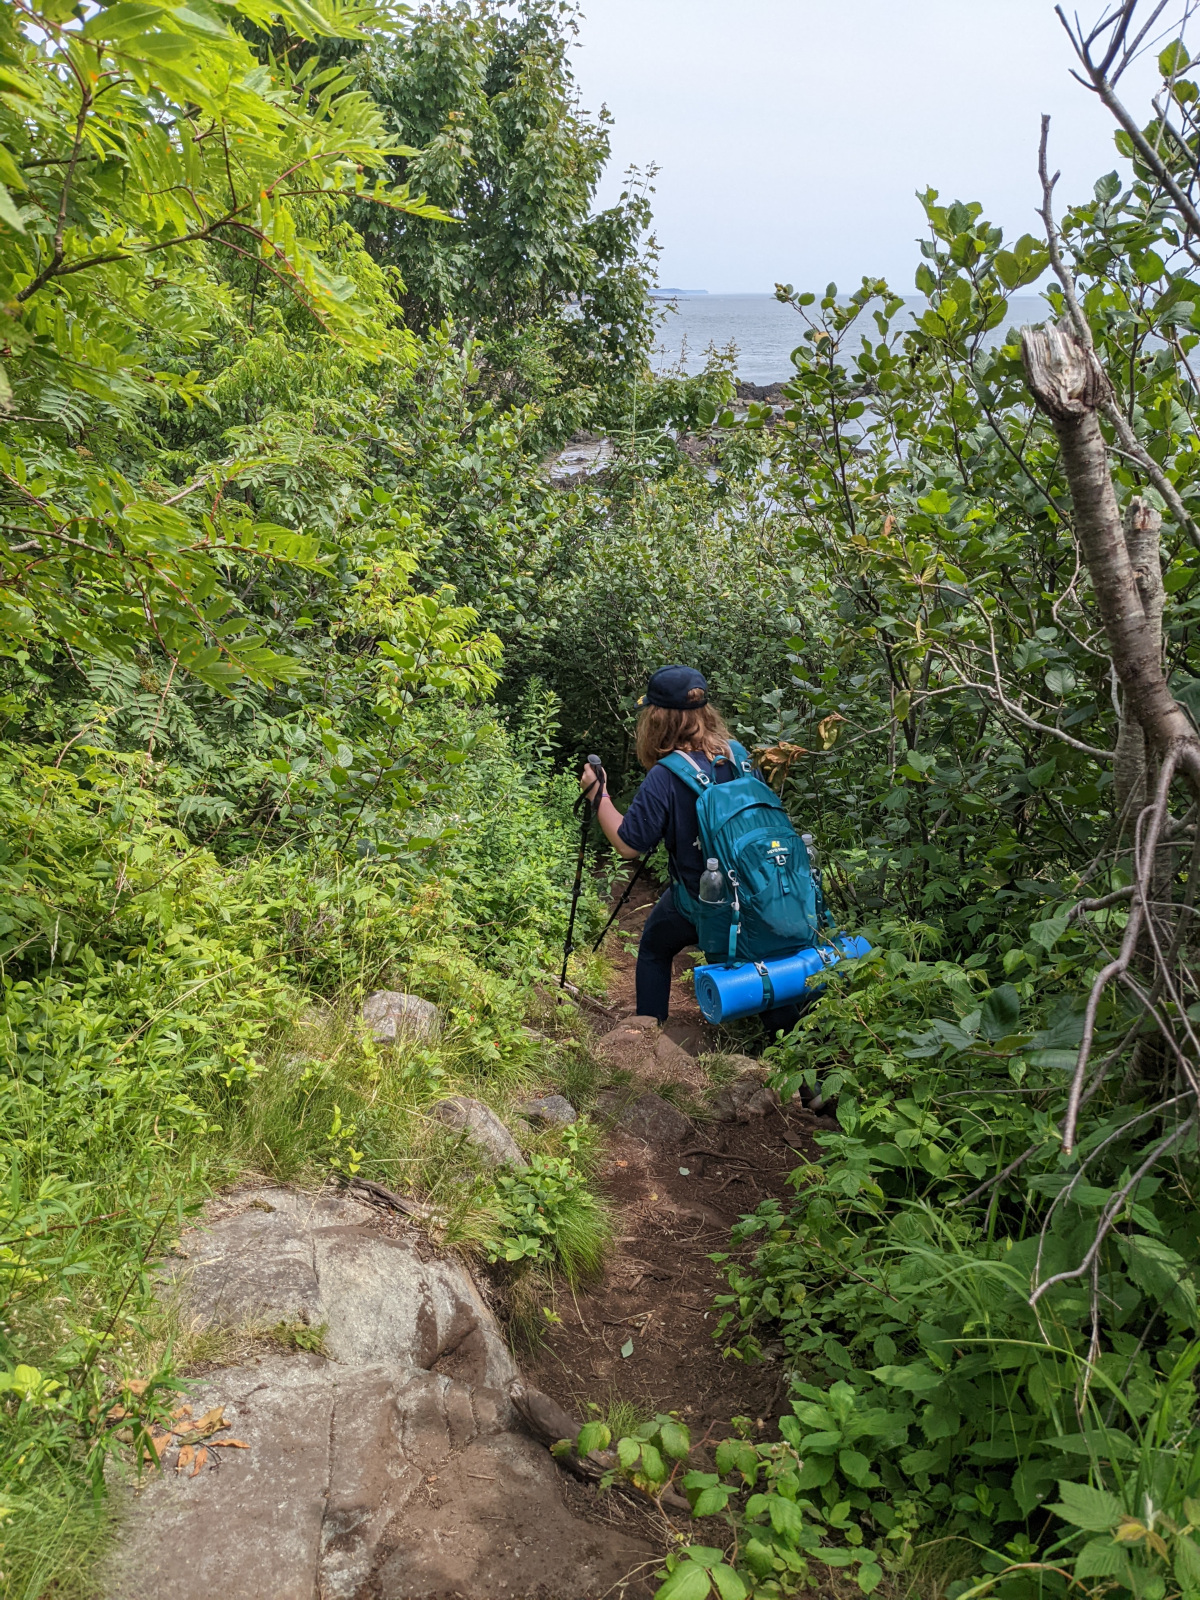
(741, 757)
(682, 765)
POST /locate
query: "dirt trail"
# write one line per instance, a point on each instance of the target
(644, 1332)
(394, 1463)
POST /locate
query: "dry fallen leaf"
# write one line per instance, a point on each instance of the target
(138, 1385)
(181, 1411)
(230, 1444)
(211, 1422)
(185, 1458)
(201, 1458)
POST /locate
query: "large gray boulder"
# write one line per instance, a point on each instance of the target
(358, 1482)
(396, 1468)
(482, 1127)
(320, 1259)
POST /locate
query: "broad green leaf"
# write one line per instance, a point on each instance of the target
(1000, 1012)
(937, 503)
(1095, 1510)
(759, 1557)
(1101, 1558)
(9, 214)
(1060, 680)
(727, 1583)
(592, 1436)
(786, 1517)
(676, 1441)
(1048, 932)
(1174, 59)
(856, 1468)
(687, 1582)
(736, 1455)
(709, 1502)
(704, 1555)
(916, 1379)
(1161, 1272)
(1186, 1561)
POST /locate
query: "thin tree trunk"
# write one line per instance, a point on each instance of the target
(1068, 384)
(1143, 525)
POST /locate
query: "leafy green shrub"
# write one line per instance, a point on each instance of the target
(546, 1213)
(757, 1489)
(931, 1399)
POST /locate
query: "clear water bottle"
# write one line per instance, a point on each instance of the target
(712, 884)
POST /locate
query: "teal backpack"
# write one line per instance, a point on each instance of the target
(774, 907)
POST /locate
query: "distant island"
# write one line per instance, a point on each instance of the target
(675, 294)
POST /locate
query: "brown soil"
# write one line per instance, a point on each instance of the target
(656, 1292)
(672, 1208)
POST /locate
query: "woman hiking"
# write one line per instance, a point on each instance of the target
(676, 715)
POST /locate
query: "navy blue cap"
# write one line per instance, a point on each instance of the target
(670, 687)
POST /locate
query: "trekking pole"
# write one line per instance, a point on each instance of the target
(620, 905)
(580, 804)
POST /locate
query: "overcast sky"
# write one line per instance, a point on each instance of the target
(792, 134)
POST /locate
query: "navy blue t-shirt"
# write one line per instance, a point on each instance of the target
(664, 809)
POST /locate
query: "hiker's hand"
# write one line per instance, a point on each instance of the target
(590, 781)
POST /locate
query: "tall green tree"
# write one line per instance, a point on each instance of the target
(141, 149)
(555, 291)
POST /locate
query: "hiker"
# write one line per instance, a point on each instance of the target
(676, 715)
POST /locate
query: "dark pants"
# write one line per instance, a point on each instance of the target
(666, 932)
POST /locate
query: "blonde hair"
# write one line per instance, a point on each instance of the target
(660, 730)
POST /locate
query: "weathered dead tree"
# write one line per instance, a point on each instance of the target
(1157, 741)
(1068, 384)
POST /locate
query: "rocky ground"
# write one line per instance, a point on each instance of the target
(392, 1463)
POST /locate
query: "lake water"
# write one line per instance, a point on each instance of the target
(764, 331)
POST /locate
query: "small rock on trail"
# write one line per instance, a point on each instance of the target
(744, 1098)
(390, 1015)
(653, 1120)
(554, 1109)
(482, 1127)
(637, 1046)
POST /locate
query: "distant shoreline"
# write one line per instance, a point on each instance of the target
(762, 332)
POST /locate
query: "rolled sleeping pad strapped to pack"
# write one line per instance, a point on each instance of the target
(723, 993)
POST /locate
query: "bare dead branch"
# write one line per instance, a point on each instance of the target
(1114, 1208)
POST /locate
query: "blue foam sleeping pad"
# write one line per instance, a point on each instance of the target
(724, 992)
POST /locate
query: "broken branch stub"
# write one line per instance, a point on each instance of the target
(1065, 379)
